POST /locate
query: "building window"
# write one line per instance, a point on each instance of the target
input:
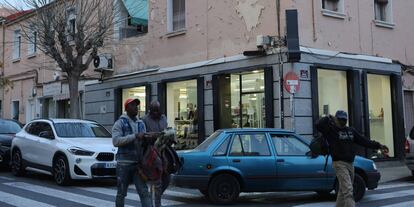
(333, 5)
(383, 10)
(136, 92)
(176, 15)
(380, 110)
(333, 91)
(15, 110)
(71, 28)
(32, 45)
(182, 112)
(131, 19)
(241, 100)
(17, 44)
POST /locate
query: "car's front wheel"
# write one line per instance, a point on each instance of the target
(223, 189)
(17, 166)
(61, 170)
(359, 188)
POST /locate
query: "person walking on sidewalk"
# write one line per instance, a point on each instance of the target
(156, 122)
(340, 139)
(128, 135)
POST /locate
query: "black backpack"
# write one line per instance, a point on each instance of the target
(318, 146)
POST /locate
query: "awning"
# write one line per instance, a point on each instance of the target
(138, 10)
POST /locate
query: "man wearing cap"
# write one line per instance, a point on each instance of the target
(341, 139)
(128, 134)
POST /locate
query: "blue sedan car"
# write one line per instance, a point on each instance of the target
(262, 160)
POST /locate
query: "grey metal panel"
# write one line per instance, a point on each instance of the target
(208, 97)
(303, 125)
(95, 108)
(101, 95)
(104, 119)
(209, 127)
(208, 113)
(303, 107)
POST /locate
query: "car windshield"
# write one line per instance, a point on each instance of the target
(203, 146)
(9, 127)
(81, 130)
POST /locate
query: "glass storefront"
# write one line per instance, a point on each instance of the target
(331, 98)
(241, 100)
(182, 112)
(136, 92)
(380, 110)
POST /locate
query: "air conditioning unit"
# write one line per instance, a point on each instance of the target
(103, 63)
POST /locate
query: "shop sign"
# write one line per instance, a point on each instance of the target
(291, 82)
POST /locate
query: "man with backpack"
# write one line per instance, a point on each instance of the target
(157, 123)
(341, 139)
(128, 135)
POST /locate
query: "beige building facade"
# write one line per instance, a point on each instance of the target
(189, 55)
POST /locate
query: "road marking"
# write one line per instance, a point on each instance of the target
(382, 196)
(19, 201)
(398, 185)
(131, 196)
(61, 194)
(6, 178)
(402, 204)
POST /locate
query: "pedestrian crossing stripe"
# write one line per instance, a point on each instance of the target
(21, 201)
(382, 196)
(402, 204)
(62, 194)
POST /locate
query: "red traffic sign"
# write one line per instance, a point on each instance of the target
(291, 82)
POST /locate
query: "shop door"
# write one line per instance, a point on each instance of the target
(253, 110)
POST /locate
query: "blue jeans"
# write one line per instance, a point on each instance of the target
(127, 173)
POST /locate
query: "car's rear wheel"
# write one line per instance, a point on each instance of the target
(223, 189)
(17, 166)
(61, 173)
(359, 188)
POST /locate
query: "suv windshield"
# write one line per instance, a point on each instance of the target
(9, 127)
(81, 130)
(203, 146)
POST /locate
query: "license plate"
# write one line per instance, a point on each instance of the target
(110, 165)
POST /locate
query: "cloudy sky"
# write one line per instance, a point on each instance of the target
(16, 3)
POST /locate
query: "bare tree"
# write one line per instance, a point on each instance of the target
(70, 32)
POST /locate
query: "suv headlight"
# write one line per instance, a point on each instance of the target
(80, 151)
(374, 166)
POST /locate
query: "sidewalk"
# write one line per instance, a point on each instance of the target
(392, 170)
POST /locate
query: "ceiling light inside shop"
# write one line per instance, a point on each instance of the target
(253, 99)
(256, 71)
(261, 87)
(139, 94)
(183, 97)
(183, 90)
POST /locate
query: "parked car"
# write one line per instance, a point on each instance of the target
(64, 148)
(8, 128)
(409, 151)
(262, 160)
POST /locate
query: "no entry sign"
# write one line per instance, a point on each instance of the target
(291, 82)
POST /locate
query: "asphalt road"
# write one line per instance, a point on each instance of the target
(35, 190)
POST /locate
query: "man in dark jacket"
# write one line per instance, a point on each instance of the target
(157, 122)
(341, 140)
(128, 135)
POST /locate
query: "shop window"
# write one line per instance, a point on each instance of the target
(241, 100)
(383, 10)
(380, 110)
(136, 92)
(182, 112)
(176, 15)
(131, 19)
(15, 110)
(332, 91)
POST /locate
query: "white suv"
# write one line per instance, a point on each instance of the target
(64, 148)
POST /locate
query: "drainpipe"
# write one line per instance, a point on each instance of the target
(3, 26)
(281, 103)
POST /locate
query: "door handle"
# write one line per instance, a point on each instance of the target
(280, 160)
(236, 160)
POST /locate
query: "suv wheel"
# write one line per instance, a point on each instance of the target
(61, 171)
(223, 189)
(17, 166)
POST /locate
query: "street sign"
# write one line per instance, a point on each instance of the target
(291, 83)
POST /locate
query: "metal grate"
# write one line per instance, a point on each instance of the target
(105, 156)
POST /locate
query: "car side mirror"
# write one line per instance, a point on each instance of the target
(47, 134)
